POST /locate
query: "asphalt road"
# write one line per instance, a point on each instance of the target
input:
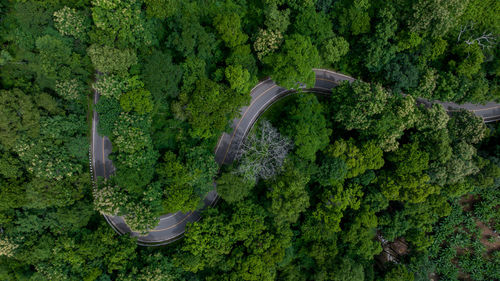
(171, 226)
(264, 94)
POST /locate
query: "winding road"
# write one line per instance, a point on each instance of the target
(172, 226)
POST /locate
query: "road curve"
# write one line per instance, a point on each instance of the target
(171, 226)
(263, 95)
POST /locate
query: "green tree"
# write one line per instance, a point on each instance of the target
(348, 270)
(55, 57)
(288, 195)
(122, 23)
(109, 111)
(241, 247)
(70, 89)
(379, 47)
(334, 201)
(334, 49)
(161, 76)
(210, 107)
(472, 62)
(359, 234)
(57, 153)
(314, 25)
(403, 73)
(229, 28)
(399, 272)
(72, 22)
(18, 116)
(294, 63)
(408, 181)
(306, 124)
(135, 157)
(152, 267)
(331, 171)
(110, 60)
(189, 38)
(161, 9)
(10, 167)
(463, 162)
(203, 168)
(276, 19)
(239, 79)
(233, 188)
(242, 55)
(435, 17)
(361, 101)
(357, 159)
(466, 126)
(200, 253)
(138, 100)
(110, 86)
(267, 42)
(373, 112)
(353, 16)
(177, 181)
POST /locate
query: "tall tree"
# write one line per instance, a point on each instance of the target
(306, 124)
(292, 66)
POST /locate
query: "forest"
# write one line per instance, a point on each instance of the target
(365, 183)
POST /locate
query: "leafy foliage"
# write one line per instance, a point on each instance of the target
(368, 165)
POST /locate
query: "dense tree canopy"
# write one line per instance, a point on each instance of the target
(362, 184)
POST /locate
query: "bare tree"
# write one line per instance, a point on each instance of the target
(486, 40)
(262, 154)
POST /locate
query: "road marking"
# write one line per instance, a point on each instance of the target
(243, 116)
(259, 84)
(164, 218)
(481, 109)
(103, 158)
(236, 128)
(455, 109)
(339, 74)
(324, 79)
(185, 218)
(93, 146)
(218, 143)
(321, 88)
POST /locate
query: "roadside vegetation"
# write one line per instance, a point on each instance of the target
(319, 183)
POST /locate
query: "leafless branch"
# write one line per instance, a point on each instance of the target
(262, 154)
(486, 40)
(467, 27)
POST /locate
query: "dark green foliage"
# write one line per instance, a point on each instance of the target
(109, 109)
(161, 8)
(294, 63)
(288, 195)
(402, 73)
(374, 112)
(209, 107)
(368, 164)
(233, 188)
(314, 25)
(330, 171)
(111, 60)
(160, 76)
(18, 117)
(203, 168)
(307, 125)
(178, 186)
(137, 100)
